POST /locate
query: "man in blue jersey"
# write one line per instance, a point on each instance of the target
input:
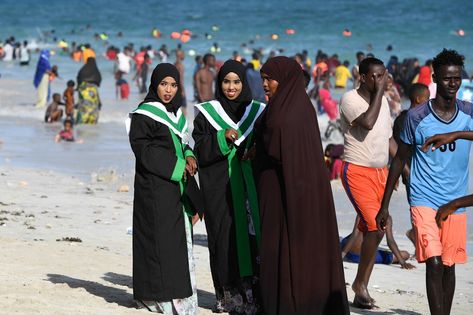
(438, 175)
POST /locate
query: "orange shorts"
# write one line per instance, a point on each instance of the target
(448, 242)
(365, 188)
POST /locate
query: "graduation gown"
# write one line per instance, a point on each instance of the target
(160, 261)
(227, 227)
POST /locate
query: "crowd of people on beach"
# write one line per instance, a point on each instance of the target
(257, 165)
(327, 72)
(273, 239)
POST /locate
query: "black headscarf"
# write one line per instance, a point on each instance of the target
(293, 212)
(234, 108)
(89, 73)
(289, 103)
(159, 73)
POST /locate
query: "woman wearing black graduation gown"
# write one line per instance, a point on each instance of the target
(163, 279)
(222, 134)
(301, 268)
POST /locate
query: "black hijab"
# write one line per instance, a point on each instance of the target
(290, 95)
(89, 73)
(298, 198)
(234, 108)
(289, 105)
(159, 73)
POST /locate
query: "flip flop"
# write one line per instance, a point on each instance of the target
(361, 303)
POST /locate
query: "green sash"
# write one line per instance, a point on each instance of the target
(241, 175)
(218, 118)
(157, 111)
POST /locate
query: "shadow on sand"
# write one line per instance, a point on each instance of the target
(119, 296)
(393, 311)
(109, 294)
(118, 279)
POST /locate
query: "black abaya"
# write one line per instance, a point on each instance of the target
(301, 266)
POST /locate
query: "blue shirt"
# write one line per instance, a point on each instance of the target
(439, 176)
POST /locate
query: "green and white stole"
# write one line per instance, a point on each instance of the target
(218, 118)
(241, 176)
(155, 110)
(177, 124)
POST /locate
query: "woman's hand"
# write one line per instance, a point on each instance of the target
(191, 166)
(231, 135)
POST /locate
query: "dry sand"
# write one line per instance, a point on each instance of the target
(40, 274)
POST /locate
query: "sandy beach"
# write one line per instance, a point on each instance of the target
(45, 273)
(65, 209)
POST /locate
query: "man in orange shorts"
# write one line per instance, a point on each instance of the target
(367, 129)
(439, 174)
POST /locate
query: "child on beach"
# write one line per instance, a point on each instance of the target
(68, 97)
(351, 248)
(122, 87)
(53, 112)
(67, 134)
